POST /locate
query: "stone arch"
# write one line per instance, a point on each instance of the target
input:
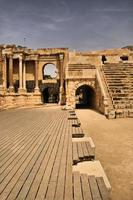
(85, 96)
(50, 94)
(73, 86)
(50, 85)
(50, 67)
(89, 83)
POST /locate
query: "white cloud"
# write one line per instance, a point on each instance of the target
(50, 26)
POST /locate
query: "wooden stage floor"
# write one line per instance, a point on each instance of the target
(35, 154)
(36, 158)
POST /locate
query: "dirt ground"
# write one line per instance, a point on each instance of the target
(114, 149)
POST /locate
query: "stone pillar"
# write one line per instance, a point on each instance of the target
(62, 78)
(11, 88)
(1, 70)
(36, 77)
(1, 74)
(5, 73)
(24, 76)
(20, 89)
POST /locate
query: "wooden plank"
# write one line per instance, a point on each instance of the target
(85, 151)
(68, 194)
(72, 117)
(55, 171)
(103, 189)
(75, 153)
(71, 111)
(72, 114)
(80, 150)
(90, 150)
(86, 187)
(46, 176)
(8, 167)
(17, 150)
(20, 167)
(51, 191)
(42, 162)
(26, 179)
(17, 171)
(77, 132)
(94, 188)
(16, 120)
(46, 166)
(62, 172)
(77, 186)
(75, 124)
(18, 134)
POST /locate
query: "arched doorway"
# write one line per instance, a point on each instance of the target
(50, 94)
(85, 97)
(50, 84)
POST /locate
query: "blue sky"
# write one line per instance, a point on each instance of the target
(76, 24)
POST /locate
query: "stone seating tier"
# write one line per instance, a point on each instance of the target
(119, 81)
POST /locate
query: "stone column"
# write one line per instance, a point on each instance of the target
(24, 76)
(5, 73)
(62, 66)
(1, 74)
(20, 89)
(1, 70)
(11, 88)
(36, 77)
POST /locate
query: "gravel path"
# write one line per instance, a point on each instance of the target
(114, 149)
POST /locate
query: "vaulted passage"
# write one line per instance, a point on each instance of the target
(50, 93)
(50, 84)
(85, 97)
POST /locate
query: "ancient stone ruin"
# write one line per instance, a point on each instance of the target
(102, 80)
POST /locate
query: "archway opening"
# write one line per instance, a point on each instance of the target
(50, 84)
(85, 97)
(50, 94)
(49, 71)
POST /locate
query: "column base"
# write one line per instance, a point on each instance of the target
(21, 90)
(36, 90)
(11, 89)
(2, 89)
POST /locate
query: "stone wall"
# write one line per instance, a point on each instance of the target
(75, 69)
(99, 98)
(84, 58)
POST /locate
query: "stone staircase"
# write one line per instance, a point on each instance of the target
(119, 81)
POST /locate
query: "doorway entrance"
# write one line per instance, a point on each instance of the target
(50, 84)
(85, 97)
(50, 93)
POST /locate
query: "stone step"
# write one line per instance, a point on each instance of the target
(92, 168)
(89, 187)
(119, 73)
(119, 87)
(83, 149)
(122, 98)
(118, 91)
(120, 70)
(122, 101)
(123, 106)
(124, 113)
(119, 79)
